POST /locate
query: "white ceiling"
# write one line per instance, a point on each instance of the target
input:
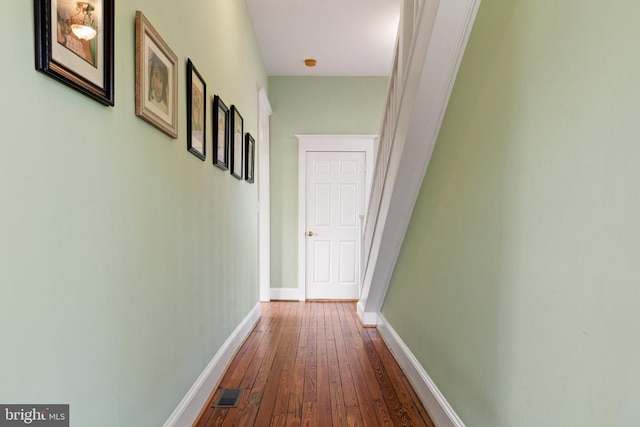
(347, 37)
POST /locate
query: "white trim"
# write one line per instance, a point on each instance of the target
(307, 143)
(286, 294)
(189, 408)
(264, 196)
(433, 400)
(432, 70)
(366, 318)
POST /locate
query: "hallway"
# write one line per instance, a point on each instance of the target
(313, 364)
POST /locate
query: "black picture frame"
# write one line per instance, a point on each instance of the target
(220, 134)
(250, 158)
(86, 65)
(236, 143)
(196, 112)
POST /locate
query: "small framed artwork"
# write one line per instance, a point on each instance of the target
(74, 44)
(196, 112)
(250, 156)
(237, 143)
(156, 78)
(220, 134)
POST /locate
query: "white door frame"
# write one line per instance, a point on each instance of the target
(308, 143)
(264, 198)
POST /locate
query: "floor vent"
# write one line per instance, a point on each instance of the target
(228, 398)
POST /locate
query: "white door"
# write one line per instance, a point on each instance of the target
(335, 195)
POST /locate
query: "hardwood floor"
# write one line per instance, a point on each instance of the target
(312, 364)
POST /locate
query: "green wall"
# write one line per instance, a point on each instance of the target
(517, 286)
(125, 261)
(310, 106)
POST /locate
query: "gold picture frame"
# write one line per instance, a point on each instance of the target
(156, 78)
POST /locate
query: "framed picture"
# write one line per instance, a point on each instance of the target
(74, 45)
(220, 134)
(250, 156)
(237, 143)
(156, 79)
(196, 112)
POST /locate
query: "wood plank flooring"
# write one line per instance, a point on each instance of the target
(312, 364)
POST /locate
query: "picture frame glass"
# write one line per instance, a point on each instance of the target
(222, 136)
(85, 57)
(158, 97)
(237, 142)
(197, 114)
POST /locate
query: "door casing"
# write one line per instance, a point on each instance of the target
(310, 143)
(264, 197)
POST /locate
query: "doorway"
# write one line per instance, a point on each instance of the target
(264, 197)
(333, 184)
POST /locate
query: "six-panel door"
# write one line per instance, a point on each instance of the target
(335, 183)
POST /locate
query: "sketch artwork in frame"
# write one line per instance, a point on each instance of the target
(250, 157)
(156, 78)
(237, 143)
(74, 43)
(196, 112)
(220, 134)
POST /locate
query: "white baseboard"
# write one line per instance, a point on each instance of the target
(367, 318)
(439, 409)
(189, 408)
(286, 294)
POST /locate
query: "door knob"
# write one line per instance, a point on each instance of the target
(309, 233)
